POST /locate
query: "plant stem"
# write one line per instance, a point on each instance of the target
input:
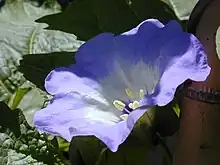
(165, 149)
(100, 156)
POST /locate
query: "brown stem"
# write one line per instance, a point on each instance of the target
(199, 132)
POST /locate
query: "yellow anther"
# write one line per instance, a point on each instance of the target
(129, 93)
(119, 105)
(141, 93)
(124, 116)
(135, 104)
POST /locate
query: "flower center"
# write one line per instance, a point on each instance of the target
(127, 107)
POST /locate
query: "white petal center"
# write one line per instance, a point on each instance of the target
(128, 83)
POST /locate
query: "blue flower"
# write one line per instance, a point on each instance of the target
(114, 77)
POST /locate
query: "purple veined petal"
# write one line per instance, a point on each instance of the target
(179, 64)
(178, 56)
(142, 49)
(111, 59)
(150, 50)
(69, 116)
(119, 58)
(128, 44)
(95, 54)
(95, 49)
(114, 135)
(104, 49)
(74, 78)
(67, 109)
(152, 25)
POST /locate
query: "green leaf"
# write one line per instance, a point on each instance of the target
(26, 147)
(63, 144)
(18, 96)
(182, 8)
(21, 35)
(15, 158)
(85, 150)
(176, 109)
(32, 101)
(87, 18)
(15, 11)
(217, 42)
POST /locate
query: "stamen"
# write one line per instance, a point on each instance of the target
(135, 104)
(124, 116)
(129, 93)
(119, 105)
(141, 93)
(128, 106)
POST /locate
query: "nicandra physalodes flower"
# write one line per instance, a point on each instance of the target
(114, 76)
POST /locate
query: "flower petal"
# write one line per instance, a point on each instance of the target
(103, 50)
(71, 108)
(152, 25)
(95, 54)
(68, 116)
(150, 50)
(74, 78)
(113, 135)
(114, 61)
(181, 64)
(106, 66)
(127, 60)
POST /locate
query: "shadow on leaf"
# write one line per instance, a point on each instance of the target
(87, 18)
(9, 119)
(36, 67)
